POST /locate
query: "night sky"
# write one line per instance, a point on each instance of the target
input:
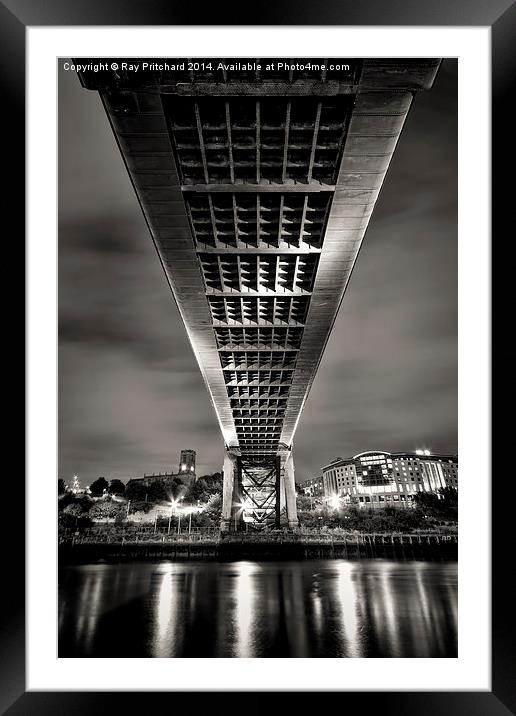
(130, 392)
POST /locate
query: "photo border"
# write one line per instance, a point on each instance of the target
(14, 18)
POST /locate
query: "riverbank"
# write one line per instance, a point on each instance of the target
(81, 549)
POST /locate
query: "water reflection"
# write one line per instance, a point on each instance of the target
(350, 617)
(334, 608)
(165, 628)
(244, 608)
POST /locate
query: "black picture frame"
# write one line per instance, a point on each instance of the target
(500, 16)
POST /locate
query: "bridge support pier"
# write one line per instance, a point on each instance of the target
(289, 487)
(230, 490)
(258, 492)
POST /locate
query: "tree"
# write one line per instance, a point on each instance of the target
(84, 502)
(116, 487)
(135, 491)
(140, 506)
(176, 488)
(213, 510)
(61, 487)
(304, 503)
(450, 495)
(199, 491)
(204, 488)
(442, 506)
(428, 503)
(81, 502)
(98, 486)
(73, 510)
(103, 510)
(67, 499)
(157, 492)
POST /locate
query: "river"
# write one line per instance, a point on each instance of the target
(312, 608)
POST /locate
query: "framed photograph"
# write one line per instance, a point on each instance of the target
(261, 469)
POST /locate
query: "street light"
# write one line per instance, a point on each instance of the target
(178, 508)
(173, 506)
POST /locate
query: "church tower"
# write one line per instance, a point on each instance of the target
(187, 464)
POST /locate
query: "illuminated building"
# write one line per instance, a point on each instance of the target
(187, 463)
(379, 479)
(186, 471)
(314, 487)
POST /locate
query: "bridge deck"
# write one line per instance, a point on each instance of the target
(258, 188)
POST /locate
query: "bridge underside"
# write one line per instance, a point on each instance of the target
(258, 188)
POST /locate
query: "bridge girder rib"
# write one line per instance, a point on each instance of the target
(258, 193)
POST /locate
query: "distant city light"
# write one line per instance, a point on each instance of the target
(420, 452)
(427, 452)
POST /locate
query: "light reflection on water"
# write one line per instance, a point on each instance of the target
(324, 608)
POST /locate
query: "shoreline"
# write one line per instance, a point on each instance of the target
(227, 547)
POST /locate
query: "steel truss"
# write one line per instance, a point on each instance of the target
(258, 484)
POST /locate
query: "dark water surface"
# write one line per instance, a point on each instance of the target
(319, 608)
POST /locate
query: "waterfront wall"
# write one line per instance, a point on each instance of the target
(257, 546)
